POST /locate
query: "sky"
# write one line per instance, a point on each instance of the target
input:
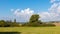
(21, 10)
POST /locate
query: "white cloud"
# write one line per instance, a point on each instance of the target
(12, 9)
(53, 13)
(53, 1)
(58, 9)
(53, 7)
(44, 14)
(24, 14)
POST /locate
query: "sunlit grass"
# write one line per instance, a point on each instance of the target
(32, 30)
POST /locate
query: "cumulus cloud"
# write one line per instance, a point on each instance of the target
(52, 1)
(24, 14)
(53, 7)
(53, 12)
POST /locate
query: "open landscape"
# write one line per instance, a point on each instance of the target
(29, 16)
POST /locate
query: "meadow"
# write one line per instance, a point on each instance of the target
(32, 30)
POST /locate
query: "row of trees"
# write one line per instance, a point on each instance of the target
(4, 23)
(34, 21)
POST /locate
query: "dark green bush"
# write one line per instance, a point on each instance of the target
(39, 25)
(47, 25)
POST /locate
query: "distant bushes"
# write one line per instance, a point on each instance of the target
(47, 25)
(8, 24)
(39, 25)
(35, 24)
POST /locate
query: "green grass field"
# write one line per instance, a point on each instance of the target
(32, 30)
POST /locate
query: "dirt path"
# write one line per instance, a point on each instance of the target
(57, 24)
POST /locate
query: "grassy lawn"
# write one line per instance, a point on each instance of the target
(32, 30)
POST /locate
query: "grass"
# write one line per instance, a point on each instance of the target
(32, 30)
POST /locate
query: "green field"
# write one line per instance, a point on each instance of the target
(32, 30)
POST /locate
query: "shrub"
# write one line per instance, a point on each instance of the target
(39, 25)
(47, 25)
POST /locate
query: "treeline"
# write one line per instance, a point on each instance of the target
(8, 24)
(33, 22)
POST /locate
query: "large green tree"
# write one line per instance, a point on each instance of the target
(34, 18)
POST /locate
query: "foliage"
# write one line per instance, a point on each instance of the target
(8, 24)
(47, 25)
(34, 18)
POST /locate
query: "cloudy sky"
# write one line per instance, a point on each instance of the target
(21, 10)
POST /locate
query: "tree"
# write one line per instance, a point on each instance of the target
(14, 20)
(2, 23)
(34, 21)
(34, 18)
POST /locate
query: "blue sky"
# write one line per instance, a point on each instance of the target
(22, 4)
(11, 9)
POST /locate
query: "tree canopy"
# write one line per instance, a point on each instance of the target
(34, 18)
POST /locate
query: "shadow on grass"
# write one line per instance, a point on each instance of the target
(10, 32)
